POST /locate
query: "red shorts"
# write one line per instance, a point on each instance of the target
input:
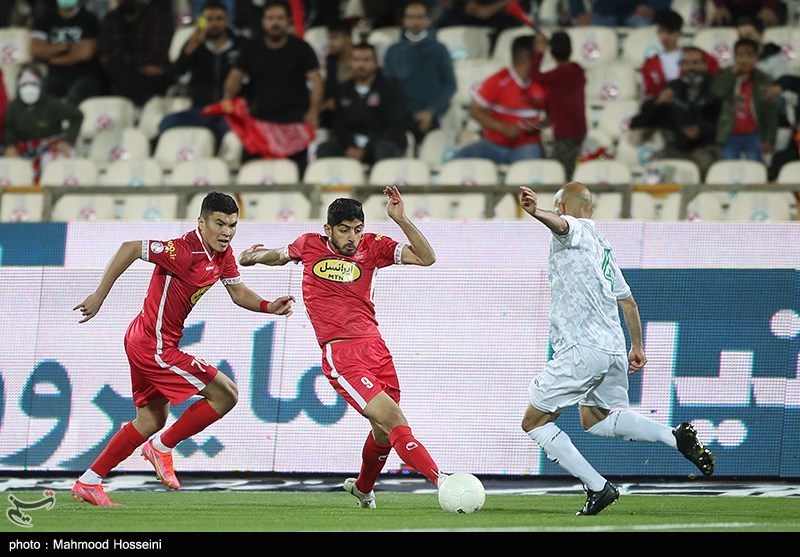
(172, 374)
(359, 369)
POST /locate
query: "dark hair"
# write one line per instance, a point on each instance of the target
(745, 42)
(344, 209)
(416, 3)
(364, 45)
(669, 20)
(561, 46)
(521, 45)
(753, 22)
(214, 5)
(218, 202)
(340, 26)
(281, 3)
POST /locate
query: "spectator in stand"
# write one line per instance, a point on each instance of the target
(424, 69)
(616, 13)
(482, 13)
(38, 126)
(207, 56)
(770, 55)
(665, 66)
(769, 12)
(510, 107)
(686, 112)
(3, 109)
(199, 6)
(65, 38)
(565, 85)
(369, 124)
(285, 82)
(134, 50)
(748, 122)
(787, 83)
(337, 68)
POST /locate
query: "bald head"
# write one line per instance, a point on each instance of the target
(574, 199)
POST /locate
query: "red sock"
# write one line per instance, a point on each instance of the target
(121, 446)
(194, 419)
(373, 458)
(413, 452)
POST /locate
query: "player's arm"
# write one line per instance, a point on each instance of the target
(245, 298)
(259, 254)
(127, 253)
(418, 251)
(630, 312)
(553, 221)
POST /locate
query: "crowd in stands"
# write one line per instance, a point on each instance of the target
(372, 80)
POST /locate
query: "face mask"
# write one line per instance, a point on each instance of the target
(416, 37)
(30, 93)
(67, 4)
(693, 79)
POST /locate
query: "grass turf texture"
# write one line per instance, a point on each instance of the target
(185, 511)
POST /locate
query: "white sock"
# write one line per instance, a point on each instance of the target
(90, 477)
(630, 425)
(160, 446)
(559, 448)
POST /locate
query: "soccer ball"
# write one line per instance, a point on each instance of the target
(461, 493)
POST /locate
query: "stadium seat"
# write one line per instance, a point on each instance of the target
(637, 147)
(501, 53)
(611, 82)
(231, 150)
(129, 174)
(606, 205)
(134, 172)
(789, 173)
(15, 45)
(717, 41)
(317, 37)
(594, 45)
(338, 174)
(393, 172)
(788, 38)
(105, 113)
(10, 73)
(461, 206)
(470, 74)
(437, 147)
(615, 119)
(156, 108)
(118, 144)
(640, 44)
(465, 42)
(184, 143)
(18, 207)
(77, 172)
(179, 38)
(762, 206)
(382, 38)
(534, 172)
(272, 206)
(663, 206)
(692, 13)
(715, 205)
(205, 171)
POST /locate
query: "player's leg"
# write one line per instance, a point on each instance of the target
(374, 453)
(149, 418)
(624, 423)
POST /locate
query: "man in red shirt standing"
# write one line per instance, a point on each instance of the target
(510, 108)
(161, 373)
(337, 292)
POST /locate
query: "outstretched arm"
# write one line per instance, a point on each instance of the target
(553, 221)
(630, 312)
(418, 251)
(259, 254)
(244, 297)
(127, 253)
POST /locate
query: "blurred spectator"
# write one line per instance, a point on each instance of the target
(3, 109)
(510, 107)
(65, 39)
(565, 85)
(38, 126)
(770, 55)
(787, 84)
(207, 56)
(748, 122)
(198, 7)
(285, 83)
(616, 13)
(424, 68)
(483, 13)
(665, 66)
(134, 50)
(686, 112)
(369, 124)
(728, 12)
(337, 68)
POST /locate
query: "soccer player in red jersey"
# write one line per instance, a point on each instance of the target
(337, 292)
(162, 374)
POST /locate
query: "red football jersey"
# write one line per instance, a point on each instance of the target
(184, 270)
(337, 290)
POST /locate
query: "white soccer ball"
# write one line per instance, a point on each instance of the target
(461, 493)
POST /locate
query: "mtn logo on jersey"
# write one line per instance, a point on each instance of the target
(337, 270)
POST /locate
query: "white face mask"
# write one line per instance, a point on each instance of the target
(29, 93)
(67, 4)
(416, 37)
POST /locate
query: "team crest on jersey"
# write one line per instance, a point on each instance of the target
(156, 247)
(199, 294)
(337, 270)
(378, 237)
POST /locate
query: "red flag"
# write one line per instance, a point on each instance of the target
(271, 140)
(515, 10)
(298, 17)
